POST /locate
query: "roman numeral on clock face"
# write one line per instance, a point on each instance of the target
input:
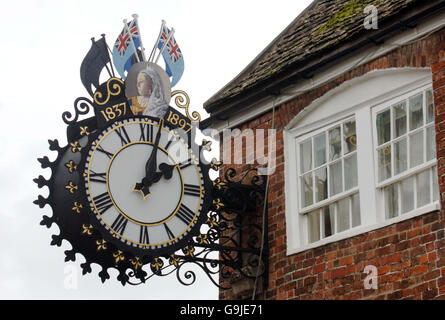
(192, 190)
(103, 202)
(108, 154)
(146, 132)
(185, 164)
(143, 235)
(119, 224)
(98, 177)
(170, 234)
(123, 135)
(185, 214)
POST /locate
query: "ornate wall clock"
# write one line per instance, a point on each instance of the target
(131, 190)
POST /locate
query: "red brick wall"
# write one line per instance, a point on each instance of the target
(409, 256)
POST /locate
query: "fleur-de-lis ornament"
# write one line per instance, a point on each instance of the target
(212, 222)
(136, 262)
(75, 147)
(118, 256)
(174, 260)
(215, 164)
(71, 187)
(156, 265)
(101, 245)
(77, 207)
(84, 131)
(218, 184)
(218, 204)
(202, 239)
(71, 166)
(189, 251)
(88, 230)
(206, 145)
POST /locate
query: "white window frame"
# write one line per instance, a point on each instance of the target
(409, 172)
(372, 214)
(334, 198)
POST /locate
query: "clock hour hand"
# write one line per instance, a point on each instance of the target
(167, 169)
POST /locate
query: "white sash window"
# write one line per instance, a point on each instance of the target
(405, 153)
(360, 158)
(328, 180)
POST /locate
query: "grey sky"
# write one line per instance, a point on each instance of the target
(43, 46)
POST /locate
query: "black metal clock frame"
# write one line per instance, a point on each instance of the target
(228, 236)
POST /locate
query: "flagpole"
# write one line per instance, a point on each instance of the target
(135, 17)
(152, 53)
(109, 58)
(165, 44)
(131, 39)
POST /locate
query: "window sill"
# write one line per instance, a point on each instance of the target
(363, 229)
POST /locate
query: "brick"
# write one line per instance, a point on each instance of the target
(419, 269)
(346, 261)
(393, 258)
(319, 268)
(395, 295)
(340, 272)
(429, 294)
(431, 275)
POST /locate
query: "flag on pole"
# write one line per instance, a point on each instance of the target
(93, 64)
(174, 61)
(124, 50)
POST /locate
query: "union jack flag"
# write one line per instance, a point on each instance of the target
(173, 58)
(123, 49)
(172, 47)
(123, 40)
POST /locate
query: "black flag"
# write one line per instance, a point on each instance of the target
(93, 63)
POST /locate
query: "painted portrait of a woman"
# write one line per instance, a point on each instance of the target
(147, 93)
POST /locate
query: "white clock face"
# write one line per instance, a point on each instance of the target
(117, 162)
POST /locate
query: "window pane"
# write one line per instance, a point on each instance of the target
(343, 214)
(350, 137)
(334, 143)
(423, 188)
(416, 149)
(314, 226)
(400, 156)
(329, 220)
(336, 178)
(400, 119)
(306, 190)
(391, 201)
(351, 177)
(407, 193)
(384, 163)
(306, 156)
(435, 184)
(430, 143)
(320, 150)
(321, 184)
(383, 127)
(415, 112)
(429, 106)
(356, 220)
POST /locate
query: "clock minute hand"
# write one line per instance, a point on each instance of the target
(151, 176)
(150, 166)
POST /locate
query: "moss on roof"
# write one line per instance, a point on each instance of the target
(322, 27)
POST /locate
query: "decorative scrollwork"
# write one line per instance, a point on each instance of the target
(114, 88)
(182, 101)
(256, 180)
(81, 107)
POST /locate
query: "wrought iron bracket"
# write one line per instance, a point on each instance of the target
(243, 230)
